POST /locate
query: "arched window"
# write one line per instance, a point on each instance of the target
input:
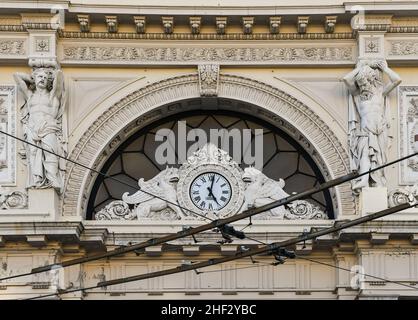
(283, 157)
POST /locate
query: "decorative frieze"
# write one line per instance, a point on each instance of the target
(7, 144)
(403, 48)
(12, 48)
(83, 54)
(408, 133)
(208, 79)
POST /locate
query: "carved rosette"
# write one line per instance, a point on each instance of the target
(13, 200)
(301, 209)
(402, 195)
(116, 210)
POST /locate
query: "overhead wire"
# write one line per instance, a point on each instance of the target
(215, 224)
(267, 249)
(105, 175)
(360, 273)
(344, 269)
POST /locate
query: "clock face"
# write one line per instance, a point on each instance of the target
(210, 191)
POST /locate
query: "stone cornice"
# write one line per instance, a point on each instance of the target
(208, 36)
(95, 235)
(234, 7)
(11, 230)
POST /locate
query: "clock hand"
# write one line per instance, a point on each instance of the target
(213, 179)
(213, 196)
(211, 188)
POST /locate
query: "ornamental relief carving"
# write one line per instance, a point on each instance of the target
(402, 195)
(12, 48)
(13, 199)
(408, 133)
(83, 53)
(324, 145)
(208, 79)
(403, 48)
(372, 45)
(7, 145)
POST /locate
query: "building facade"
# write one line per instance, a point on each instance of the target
(258, 101)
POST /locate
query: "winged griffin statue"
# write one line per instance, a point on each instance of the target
(262, 190)
(155, 194)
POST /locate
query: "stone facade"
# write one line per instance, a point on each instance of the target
(118, 76)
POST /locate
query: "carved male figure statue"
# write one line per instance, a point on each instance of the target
(42, 123)
(369, 119)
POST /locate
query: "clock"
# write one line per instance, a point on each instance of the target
(210, 183)
(210, 191)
